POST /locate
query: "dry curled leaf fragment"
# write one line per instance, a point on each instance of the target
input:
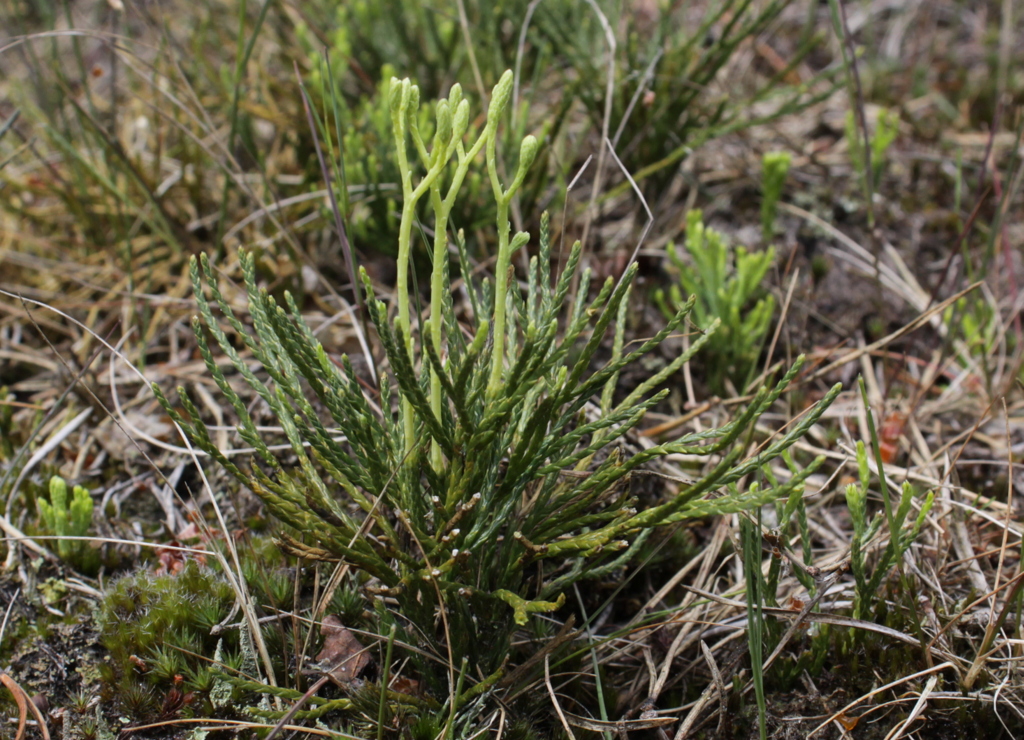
(847, 722)
(403, 685)
(19, 699)
(24, 704)
(171, 559)
(343, 657)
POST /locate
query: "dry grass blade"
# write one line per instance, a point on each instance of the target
(640, 195)
(16, 535)
(53, 442)
(826, 618)
(716, 687)
(339, 223)
(823, 588)
(22, 699)
(565, 635)
(995, 623)
(922, 701)
(554, 700)
(920, 321)
(7, 613)
(282, 724)
(622, 726)
(237, 725)
(609, 100)
(876, 692)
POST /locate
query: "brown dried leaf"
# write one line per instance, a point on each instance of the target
(343, 657)
(847, 722)
(119, 446)
(403, 685)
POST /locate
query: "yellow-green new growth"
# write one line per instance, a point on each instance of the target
(527, 153)
(452, 123)
(522, 607)
(774, 168)
(726, 283)
(67, 520)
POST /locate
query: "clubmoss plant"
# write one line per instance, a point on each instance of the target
(974, 319)
(900, 537)
(70, 519)
(493, 482)
(789, 515)
(722, 286)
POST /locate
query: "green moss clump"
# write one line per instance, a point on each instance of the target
(157, 627)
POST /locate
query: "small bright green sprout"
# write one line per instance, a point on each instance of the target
(886, 129)
(522, 607)
(900, 537)
(774, 168)
(973, 319)
(724, 283)
(73, 520)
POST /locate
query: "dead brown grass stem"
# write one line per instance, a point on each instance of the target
(339, 221)
(995, 622)
(236, 725)
(554, 699)
(833, 619)
(876, 692)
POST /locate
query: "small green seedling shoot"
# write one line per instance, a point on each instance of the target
(71, 521)
(774, 169)
(886, 128)
(725, 282)
(869, 580)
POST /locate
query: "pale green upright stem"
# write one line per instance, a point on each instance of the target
(453, 119)
(436, 306)
(410, 197)
(404, 248)
(398, 116)
(404, 320)
(500, 295)
(527, 152)
(445, 143)
(442, 209)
